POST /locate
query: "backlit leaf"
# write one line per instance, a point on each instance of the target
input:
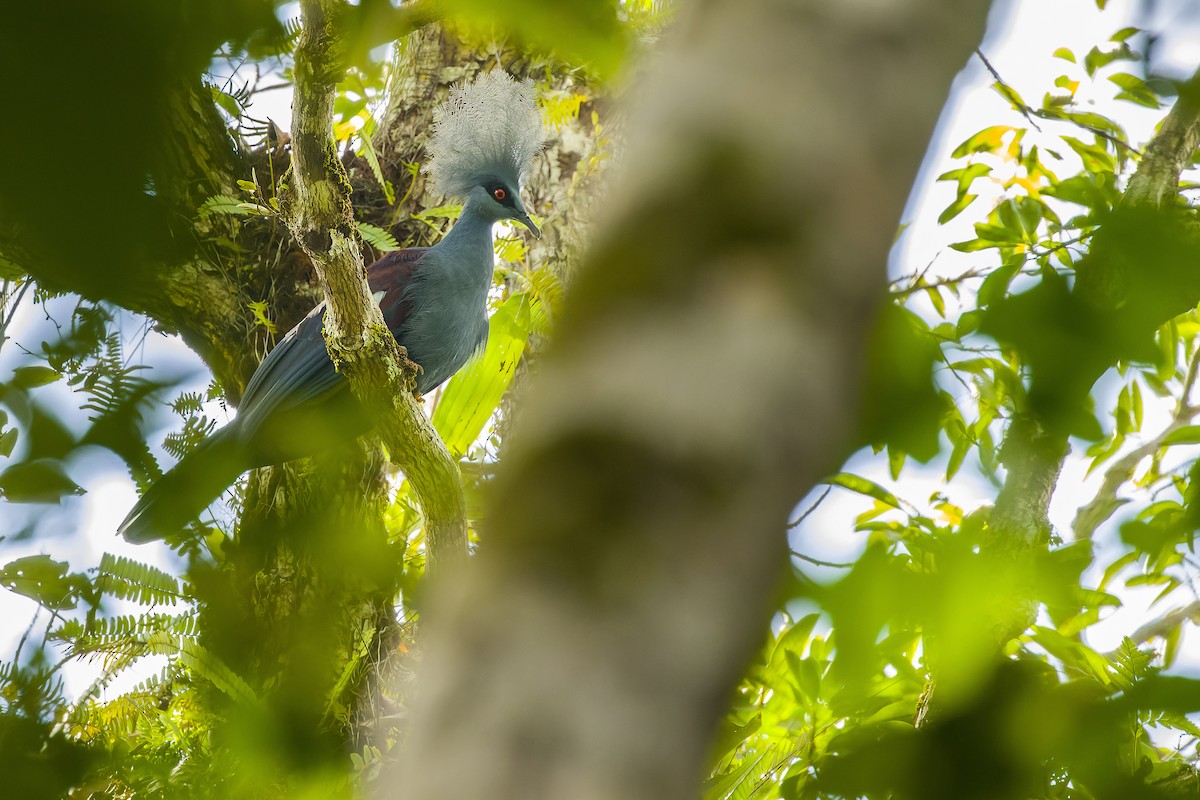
(471, 397)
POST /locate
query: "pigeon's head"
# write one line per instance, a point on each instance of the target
(484, 139)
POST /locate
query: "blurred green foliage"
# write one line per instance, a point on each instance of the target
(102, 84)
(1066, 287)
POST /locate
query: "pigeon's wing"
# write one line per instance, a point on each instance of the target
(390, 279)
(298, 370)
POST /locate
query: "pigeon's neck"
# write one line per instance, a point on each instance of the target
(470, 240)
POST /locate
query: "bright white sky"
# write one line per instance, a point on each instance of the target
(1021, 36)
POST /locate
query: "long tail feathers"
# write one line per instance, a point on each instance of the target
(179, 496)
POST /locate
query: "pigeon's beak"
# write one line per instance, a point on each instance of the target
(522, 216)
(524, 219)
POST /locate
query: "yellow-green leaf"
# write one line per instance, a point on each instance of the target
(471, 396)
(859, 484)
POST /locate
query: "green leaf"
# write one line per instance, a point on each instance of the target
(223, 204)
(974, 245)
(731, 736)
(8, 441)
(39, 481)
(956, 208)
(1095, 157)
(1081, 189)
(580, 32)
(1135, 399)
(988, 140)
(1010, 94)
(42, 579)
(227, 102)
(965, 176)
(957, 455)
(208, 666)
(1065, 54)
(1021, 215)
(791, 641)
(259, 309)
(471, 396)
(1135, 90)
(860, 485)
(255, 210)
(1167, 340)
(995, 285)
(1188, 434)
(132, 580)
(30, 377)
(1097, 58)
(968, 323)
(510, 249)
(9, 271)
(367, 151)
(935, 297)
(449, 211)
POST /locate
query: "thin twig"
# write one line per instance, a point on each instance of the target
(1189, 382)
(819, 562)
(915, 287)
(1029, 113)
(1012, 95)
(12, 305)
(1105, 502)
(21, 644)
(811, 508)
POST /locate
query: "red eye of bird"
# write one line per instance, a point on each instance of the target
(499, 193)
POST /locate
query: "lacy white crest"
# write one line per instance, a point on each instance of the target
(490, 128)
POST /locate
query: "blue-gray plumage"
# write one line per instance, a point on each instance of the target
(434, 301)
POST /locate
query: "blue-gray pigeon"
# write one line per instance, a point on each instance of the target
(434, 300)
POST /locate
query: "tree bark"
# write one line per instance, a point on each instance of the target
(704, 379)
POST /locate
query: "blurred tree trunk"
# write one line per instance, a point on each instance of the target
(704, 379)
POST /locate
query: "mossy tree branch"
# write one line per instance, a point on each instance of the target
(321, 218)
(193, 159)
(1033, 454)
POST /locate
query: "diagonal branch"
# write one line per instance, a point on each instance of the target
(321, 218)
(1035, 456)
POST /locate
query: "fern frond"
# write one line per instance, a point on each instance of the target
(1129, 664)
(549, 294)
(195, 430)
(377, 237)
(292, 28)
(205, 664)
(367, 151)
(132, 580)
(187, 403)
